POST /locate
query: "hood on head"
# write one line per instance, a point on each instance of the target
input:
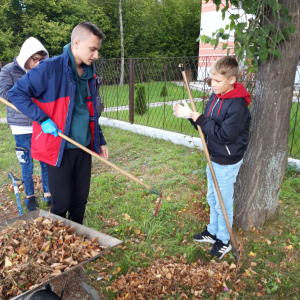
(239, 91)
(30, 47)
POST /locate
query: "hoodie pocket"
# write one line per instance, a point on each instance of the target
(22, 155)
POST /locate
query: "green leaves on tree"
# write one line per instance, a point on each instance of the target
(255, 35)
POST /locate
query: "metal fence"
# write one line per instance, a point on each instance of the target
(159, 82)
(152, 85)
(156, 81)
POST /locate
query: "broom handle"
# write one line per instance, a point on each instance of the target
(89, 151)
(209, 162)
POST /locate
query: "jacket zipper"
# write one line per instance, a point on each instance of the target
(214, 106)
(227, 149)
(67, 114)
(211, 116)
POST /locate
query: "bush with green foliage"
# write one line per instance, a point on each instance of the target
(164, 91)
(140, 105)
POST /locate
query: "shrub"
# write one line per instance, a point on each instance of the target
(140, 105)
(164, 91)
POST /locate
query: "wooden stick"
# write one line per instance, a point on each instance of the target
(211, 167)
(94, 154)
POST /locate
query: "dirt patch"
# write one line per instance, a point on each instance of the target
(8, 206)
(74, 289)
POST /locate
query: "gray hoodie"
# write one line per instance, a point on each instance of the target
(10, 74)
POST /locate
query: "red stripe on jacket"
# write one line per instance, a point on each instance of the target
(42, 142)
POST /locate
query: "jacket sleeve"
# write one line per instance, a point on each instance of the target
(193, 123)
(98, 98)
(230, 128)
(31, 85)
(6, 82)
(101, 137)
(98, 108)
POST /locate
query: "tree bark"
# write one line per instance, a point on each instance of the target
(122, 44)
(260, 177)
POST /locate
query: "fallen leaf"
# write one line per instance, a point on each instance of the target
(8, 262)
(278, 280)
(46, 221)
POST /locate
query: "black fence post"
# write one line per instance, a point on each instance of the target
(131, 90)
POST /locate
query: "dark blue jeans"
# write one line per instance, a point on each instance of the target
(23, 143)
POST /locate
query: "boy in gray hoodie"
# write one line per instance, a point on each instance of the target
(31, 53)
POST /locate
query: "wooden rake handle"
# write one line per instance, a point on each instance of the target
(209, 163)
(94, 154)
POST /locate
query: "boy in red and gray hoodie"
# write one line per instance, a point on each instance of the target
(225, 124)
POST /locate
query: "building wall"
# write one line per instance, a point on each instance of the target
(211, 21)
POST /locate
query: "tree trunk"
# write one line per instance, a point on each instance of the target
(122, 44)
(261, 175)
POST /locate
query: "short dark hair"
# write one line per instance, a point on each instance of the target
(90, 27)
(42, 53)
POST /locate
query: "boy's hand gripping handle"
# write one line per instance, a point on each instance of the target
(234, 248)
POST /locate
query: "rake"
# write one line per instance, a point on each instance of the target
(97, 156)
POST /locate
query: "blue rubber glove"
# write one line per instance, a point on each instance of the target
(50, 127)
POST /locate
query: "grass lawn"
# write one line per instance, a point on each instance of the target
(270, 260)
(159, 117)
(114, 95)
(294, 136)
(2, 110)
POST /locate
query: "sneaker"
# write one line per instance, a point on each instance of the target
(31, 203)
(220, 249)
(47, 199)
(205, 236)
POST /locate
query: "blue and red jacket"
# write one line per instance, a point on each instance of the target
(48, 90)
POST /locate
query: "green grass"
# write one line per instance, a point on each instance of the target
(160, 117)
(294, 136)
(114, 95)
(2, 110)
(184, 211)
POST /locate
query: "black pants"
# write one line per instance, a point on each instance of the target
(69, 184)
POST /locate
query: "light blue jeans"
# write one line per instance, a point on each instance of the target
(23, 145)
(226, 177)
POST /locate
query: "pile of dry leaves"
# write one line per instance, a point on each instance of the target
(37, 180)
(174, 277)
(33, 251)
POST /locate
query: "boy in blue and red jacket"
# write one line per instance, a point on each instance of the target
(225, 124)
(62, 94)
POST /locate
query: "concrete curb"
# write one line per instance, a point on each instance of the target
(176, 138)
